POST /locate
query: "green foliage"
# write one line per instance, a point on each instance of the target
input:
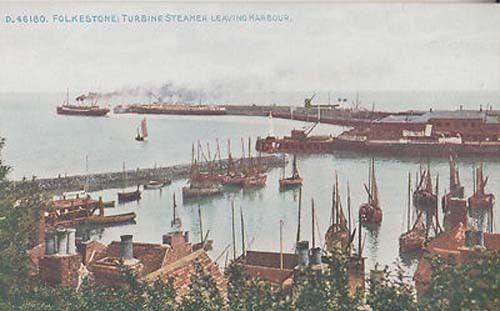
(472, 286)
(203, 292)
(391, 292)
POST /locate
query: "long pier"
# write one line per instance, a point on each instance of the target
(139, 176)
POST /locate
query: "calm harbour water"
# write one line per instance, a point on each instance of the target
(41, 143)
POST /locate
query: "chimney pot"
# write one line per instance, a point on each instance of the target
(315, 256)
(126, 247)
(302, 251)
(71, 250)
(62, 241)
(50, 243)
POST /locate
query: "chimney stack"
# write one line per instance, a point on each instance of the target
(126, 247)
(302, 251)
(62, 241)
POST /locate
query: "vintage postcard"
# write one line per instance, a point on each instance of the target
(249, 155)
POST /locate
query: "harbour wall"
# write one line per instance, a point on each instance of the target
(131, 178)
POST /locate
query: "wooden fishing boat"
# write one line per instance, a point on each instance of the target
(111, 219)
(423, 197)
(191, 192)
(371, 212)
(129, 196)
(480, 199)
(293, 181)
(337, 237)
(254, 181)
(154, 184)
(414, 239)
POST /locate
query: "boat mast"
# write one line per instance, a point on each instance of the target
(299, 215)
(232, 224)
(349, 206)
(409, 206)
(201, 224)
(242, 232)
(312, 223)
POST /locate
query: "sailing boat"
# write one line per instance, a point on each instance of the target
(480, 199)
(337, 236)
(142, 131)
(413, 239)
(423, 196)
(128, 196)
(293, 181)
(371, 212)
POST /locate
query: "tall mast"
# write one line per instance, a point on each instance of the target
(201, 224)
(409, 206)
(332, 213)
(299, 214)
(438, 226)
(349, 207)
(234, 236)
(312, 223)
(242, 232)
(359, 236)
(281, 244)
(337, 200)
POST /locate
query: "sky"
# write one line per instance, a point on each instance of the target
(396, 47)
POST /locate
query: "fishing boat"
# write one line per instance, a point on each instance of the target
(453, 203)
(199, 191)
(414, 238)
(154, 184)
(82, 109)
(129, 196)
(293, 181)
(142, 131)
(423, 197)
(338, 237)
(480, 199)
(371, 212)
(254, 181)
(110, 219)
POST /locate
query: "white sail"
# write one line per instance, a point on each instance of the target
(144, 128)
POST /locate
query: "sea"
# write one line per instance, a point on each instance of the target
(40, 143)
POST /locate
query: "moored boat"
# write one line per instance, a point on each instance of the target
(129, 196)
(110, 219)
(414, 238)
(293, 181)
(371, 212)
(423, 197)
(480, 199)
(198, 191)
(154, 184)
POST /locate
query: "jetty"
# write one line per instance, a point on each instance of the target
(129, 178)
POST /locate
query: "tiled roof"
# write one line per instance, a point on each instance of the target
(181, 270)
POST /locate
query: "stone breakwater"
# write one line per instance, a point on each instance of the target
(135, 177)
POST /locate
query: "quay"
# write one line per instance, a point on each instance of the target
(129, 178)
